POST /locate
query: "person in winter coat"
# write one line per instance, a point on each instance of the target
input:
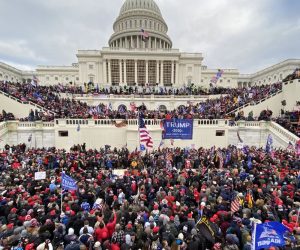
(101, 232)
(112, 224)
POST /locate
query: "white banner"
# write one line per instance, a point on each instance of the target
(39, 176)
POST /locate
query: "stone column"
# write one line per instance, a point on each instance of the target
(126, 43)
(157, 71)
(125, 73)
(104, 71)
(155, 44)
(162, 72)
(137, 41)
(135, 71)
(147, 77)
(177, 74)
(109, 72)
(172, 72)
(120, 70)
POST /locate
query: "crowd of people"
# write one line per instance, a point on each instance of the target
(49, 98)
(171, 198)
(4, 116)
(90, 88)
(290, 121)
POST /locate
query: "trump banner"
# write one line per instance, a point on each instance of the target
(178, 129)
(268, 235)
(68, 183)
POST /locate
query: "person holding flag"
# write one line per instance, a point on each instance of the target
(270, 234)
(145, 138)
(269, 144)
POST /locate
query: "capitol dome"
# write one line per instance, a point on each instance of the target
(143, 4)
(135, 16)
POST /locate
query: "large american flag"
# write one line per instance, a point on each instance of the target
(145, 137)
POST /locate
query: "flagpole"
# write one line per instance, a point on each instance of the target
(298, 216)
(61, 196)
(253, 236)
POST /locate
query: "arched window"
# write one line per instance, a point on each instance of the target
(122, 108)
(162, 108)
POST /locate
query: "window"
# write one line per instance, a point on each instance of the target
(220, 133)
(1, 75)
(141, 71)
(162, 108)
(190, 69)
(67, 78)
(115, 71)
(63, 133)
(77, 78)
(202, 80)
(221, 80)
(130, 72)
(152, 71)
(91, 79)
(47, 78)
(56, 78)
(167, 69)
(91, 66)
(228, 80)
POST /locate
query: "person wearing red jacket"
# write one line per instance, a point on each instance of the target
(114, 244)
(111, 225)
(101, 232)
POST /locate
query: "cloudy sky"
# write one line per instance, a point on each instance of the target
(244, 34)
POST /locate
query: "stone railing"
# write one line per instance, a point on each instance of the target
(254, 102)
(26, 102)
(133, 122)
(83, 97)
(282, 132)
(3, 129)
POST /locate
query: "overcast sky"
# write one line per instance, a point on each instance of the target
(248, 35)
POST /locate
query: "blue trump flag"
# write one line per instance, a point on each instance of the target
(178, 129)
(68, 183)
(268, 234)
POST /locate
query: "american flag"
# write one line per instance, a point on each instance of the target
(169, 156)
(235, 205)
(145, 35)
(145, 137)
(221, 159)
(132, 107)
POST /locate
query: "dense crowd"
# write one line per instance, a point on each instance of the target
(290, 121)
(4, 116)
(49, 98)
(90, 88)
(169, 199)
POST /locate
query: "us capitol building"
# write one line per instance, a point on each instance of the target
(131, 60)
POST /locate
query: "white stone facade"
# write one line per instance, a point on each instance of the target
(9, 73)
(133, 59)
(98, 133)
